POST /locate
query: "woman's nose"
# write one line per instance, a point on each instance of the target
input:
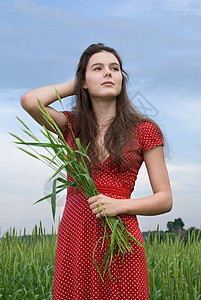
(107, 72)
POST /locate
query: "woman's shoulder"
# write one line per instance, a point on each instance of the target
(148, 126)
(147, 123)
(149, 134)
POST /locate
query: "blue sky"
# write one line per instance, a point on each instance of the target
(160, 44)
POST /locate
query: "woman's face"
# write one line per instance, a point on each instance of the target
(103, 77)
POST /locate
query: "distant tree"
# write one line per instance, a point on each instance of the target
(170, 225)
(176, 227)
(178, 224)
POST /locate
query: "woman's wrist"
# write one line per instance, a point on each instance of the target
(124, 206)
(64, 89)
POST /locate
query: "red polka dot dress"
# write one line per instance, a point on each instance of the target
(75, 275)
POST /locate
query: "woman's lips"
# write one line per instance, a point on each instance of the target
(108, 83)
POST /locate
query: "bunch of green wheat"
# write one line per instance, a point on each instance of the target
(63, 159)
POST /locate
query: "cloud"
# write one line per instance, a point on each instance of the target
(185, 178)
(188, 111)
(18, 211)
(134, 8)
(33, 37)
(182, 116)
(22, 183)
(184, 6)
(37, 39)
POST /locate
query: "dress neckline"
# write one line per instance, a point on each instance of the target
(104, 161)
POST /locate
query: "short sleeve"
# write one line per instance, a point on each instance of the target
(69, 117)
(150, 136)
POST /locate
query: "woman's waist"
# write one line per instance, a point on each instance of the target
(114, 190)
(119, 191)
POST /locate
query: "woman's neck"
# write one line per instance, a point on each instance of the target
(104, 110)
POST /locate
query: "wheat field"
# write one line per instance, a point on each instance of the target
(27, 266)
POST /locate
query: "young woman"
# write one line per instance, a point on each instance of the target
(120, 140)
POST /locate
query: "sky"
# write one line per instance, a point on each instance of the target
(159, 42)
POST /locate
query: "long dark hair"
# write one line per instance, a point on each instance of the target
(85, 123)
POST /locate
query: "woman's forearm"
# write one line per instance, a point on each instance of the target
(155, 204)
(158, 203)
(47, 94)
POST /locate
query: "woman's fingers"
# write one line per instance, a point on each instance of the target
(98, 211)
(95, 199)
(96, 204)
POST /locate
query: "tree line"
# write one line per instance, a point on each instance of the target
(175, 228)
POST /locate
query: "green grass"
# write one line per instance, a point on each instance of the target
(174, 268)
(27, 266)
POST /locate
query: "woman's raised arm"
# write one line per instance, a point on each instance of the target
(47, 95)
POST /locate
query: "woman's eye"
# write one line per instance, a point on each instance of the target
(115, 69)
(97, 68)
